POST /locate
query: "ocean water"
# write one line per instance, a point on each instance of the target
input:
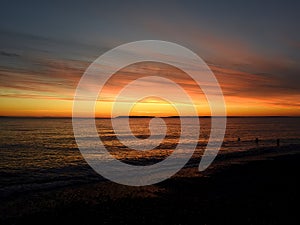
(42, 152)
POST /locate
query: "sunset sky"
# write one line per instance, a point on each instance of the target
(253, 48)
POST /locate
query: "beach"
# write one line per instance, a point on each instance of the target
(259, 187)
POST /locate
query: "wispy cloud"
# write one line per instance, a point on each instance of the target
(49, 69)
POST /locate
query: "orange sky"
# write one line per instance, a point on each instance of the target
(251, 46)
(243, 92)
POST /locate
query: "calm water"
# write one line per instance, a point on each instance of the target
(43, 152)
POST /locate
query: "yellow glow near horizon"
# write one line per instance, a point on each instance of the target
(23, 103)
(35, 107)
(63, 108)
(153, 107)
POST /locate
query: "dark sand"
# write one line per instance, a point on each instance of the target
(256, 188)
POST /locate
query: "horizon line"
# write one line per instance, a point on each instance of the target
(70, 117)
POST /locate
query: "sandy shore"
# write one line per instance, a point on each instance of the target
(260, 187)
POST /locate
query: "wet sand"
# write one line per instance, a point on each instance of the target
(260, 187)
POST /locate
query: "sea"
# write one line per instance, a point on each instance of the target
(41, 153)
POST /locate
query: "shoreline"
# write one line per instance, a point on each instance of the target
(223, 159)
(249, 182)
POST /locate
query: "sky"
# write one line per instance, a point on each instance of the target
(252, 47)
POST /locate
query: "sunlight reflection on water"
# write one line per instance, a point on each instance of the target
(45, 149)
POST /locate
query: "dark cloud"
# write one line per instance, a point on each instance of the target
(9, 54)
(252, 47)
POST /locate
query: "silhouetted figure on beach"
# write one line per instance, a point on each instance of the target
(278, 142)
(256, 140)
(239, 139)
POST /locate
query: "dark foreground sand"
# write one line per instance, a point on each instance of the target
(260, 188)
